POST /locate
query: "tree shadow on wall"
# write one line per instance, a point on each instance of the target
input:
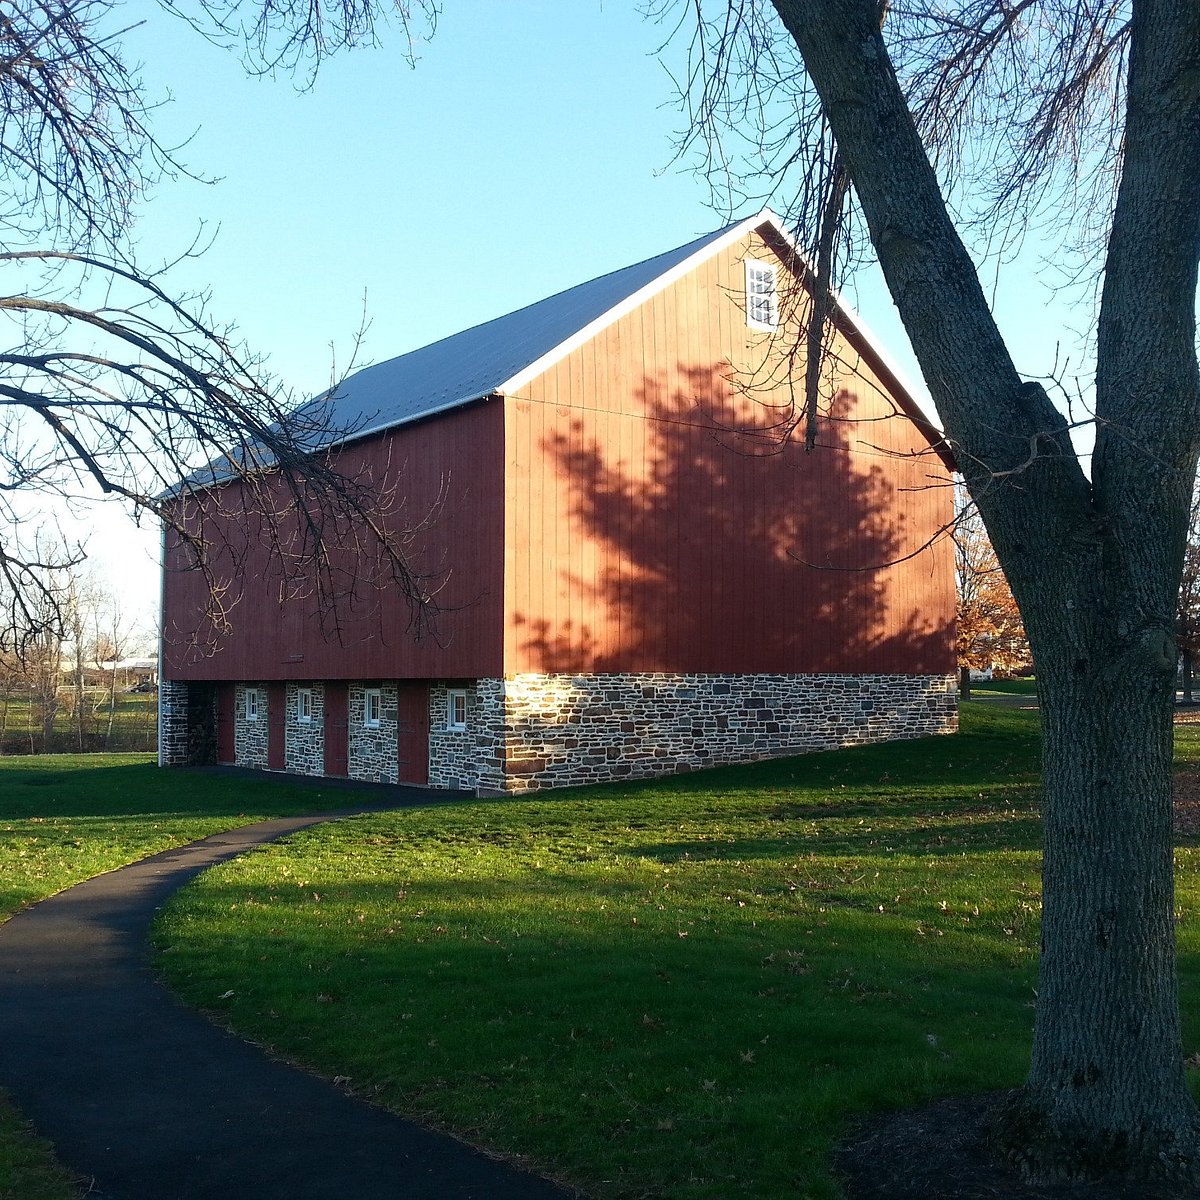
(721, 548)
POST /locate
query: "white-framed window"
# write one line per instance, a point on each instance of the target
(304, 705)
(252, 704)
(372, 707)
(762, 295)
(456, 709)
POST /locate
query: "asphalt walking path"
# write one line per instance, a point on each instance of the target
(150, 1101)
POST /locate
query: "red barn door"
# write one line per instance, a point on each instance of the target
(276, 724)
(226, 747)
(413, 733)
(337, 729)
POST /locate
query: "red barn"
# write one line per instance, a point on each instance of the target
(642, 568)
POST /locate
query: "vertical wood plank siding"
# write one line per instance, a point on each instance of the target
(633, 509)
(655, 521)
(336, 729)
(275, 638)
(277, 718)
(226, 749)
(412, 733)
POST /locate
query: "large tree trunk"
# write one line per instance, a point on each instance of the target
(1094, 565)
(1106, 1090)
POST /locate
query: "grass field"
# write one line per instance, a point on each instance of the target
(683, 989)
(1004, 687)
(134, 728)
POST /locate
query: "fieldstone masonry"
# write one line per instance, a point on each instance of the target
(374, 753)
(250, 737)
(172, 723)
(474, 757)
(530, 732)
(304, 744)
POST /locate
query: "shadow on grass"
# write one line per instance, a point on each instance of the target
(1022, 833)
(92, 787)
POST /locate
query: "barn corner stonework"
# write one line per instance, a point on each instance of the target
(531, 732)
(173, 723)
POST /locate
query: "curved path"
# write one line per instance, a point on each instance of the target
(152, 1102)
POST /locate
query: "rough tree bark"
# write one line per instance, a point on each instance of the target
(1095, 566)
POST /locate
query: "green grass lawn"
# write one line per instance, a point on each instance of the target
(1004, 687)
(682, 989)
(679, 989)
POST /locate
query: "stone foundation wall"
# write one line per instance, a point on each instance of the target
(250, 737)
(173, 725)
(304, 742)
(549, 731)
(374, 753)
(474, 757)
(530, 732)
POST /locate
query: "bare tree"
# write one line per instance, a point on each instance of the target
(110, 384)
(41, 661)
(969, 119)
(112, 633)
(11, 681)
(78, 615)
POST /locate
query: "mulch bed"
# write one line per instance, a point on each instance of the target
(940, 1151)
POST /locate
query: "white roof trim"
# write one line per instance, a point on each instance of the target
(632, 301)
(424, 414)
(865, 332)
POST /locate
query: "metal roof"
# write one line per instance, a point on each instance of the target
(499, 354)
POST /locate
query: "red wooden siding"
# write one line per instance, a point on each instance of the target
(226, 747)
(276, 725)
(631, 509)
(413, 733)
(337, 729)
(277, 634)
(655, 522)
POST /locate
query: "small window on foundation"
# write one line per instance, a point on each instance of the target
(372, 706)
(304, 705)
(762, 295)
(252, 704)
(456, 709)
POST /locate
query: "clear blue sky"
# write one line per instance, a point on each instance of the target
(530, 149)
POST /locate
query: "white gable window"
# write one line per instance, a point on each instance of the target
(304, 705)
(456, 709)
(372, 707)
(252, 704)
(762, 295)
